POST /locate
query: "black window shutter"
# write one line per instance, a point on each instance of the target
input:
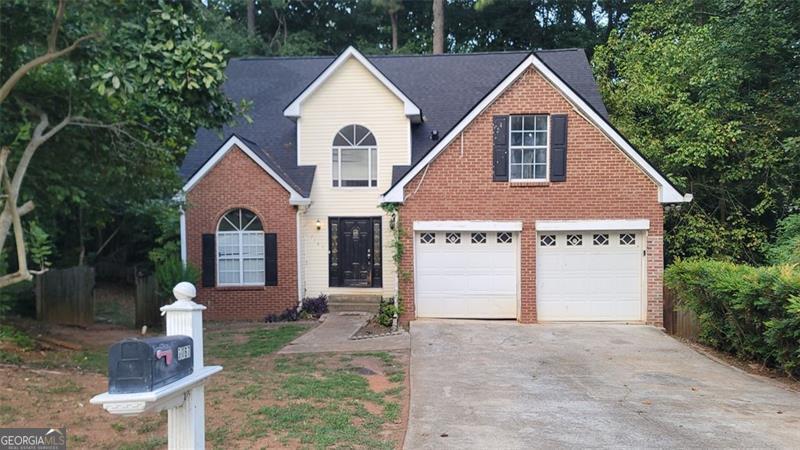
(500, 148)
(270, 259)
(558, 147)
(209, 260)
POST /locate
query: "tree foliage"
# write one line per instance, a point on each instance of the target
(708, 90)
(132, 99)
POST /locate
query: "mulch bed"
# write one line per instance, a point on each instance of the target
(373, 329)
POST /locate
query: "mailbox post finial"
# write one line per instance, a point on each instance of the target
(184, 291)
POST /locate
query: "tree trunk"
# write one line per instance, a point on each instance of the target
(251, 18)
(438, 27)
(393, 17)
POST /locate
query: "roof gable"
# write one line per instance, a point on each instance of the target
(293, 110)
(295, 197)
(667, 192)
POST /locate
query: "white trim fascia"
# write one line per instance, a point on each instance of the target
(410, 109)
(184, 256)
(592, 225)
(666, 192)
(395, 194)
(467, 225)
(294, 197)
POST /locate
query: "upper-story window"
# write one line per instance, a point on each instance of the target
(355, 158)
(528, 148)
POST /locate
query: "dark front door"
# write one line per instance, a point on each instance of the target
(355, 251)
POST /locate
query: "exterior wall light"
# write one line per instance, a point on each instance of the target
(319, 225)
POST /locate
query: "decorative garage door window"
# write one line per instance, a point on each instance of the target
(600, 239)
(574, 240)
(478, 238)
(240, 249)
(627, 239)
(355, 158)
(427, 238)
(504, 238)
(453, 238)
(547, 240)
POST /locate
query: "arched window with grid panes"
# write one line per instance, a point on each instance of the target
(354, 158)
(240, 249)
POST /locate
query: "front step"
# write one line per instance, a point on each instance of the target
(362, 303)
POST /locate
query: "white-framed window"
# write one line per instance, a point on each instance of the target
(240, 249)
(427, 238)
(528, 148)
(354, 158)
(574, 240)
(478, 238)
(627, 239)
(547, 240)
(600, 239)
(504, 237)
(453, 238)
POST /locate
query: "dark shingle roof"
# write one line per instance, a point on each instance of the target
(445, 87)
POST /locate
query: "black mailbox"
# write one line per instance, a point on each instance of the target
(143, 365)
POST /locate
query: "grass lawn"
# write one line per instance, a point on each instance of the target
(260, 400)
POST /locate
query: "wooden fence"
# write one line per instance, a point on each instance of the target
(679, 322)
(148, 303)
(66, 296)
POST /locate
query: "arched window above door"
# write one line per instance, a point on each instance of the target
(354, 158)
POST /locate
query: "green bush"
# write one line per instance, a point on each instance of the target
(751, 312)
(387, 311)
(171, 271)
(786, 247)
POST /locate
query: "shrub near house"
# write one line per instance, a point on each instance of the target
(752, 312)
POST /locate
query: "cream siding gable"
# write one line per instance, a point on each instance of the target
(351, 95)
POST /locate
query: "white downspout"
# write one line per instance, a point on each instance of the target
(300, 256)
(183, 235)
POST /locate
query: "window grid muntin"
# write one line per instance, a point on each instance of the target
(504, 237)
(600, 239)
(240, 252)
(452, 238)
(478, 238)
(627, 239)
(427, 238)
(547, 240)
(574, 240)
(537, 126)
(348, 139)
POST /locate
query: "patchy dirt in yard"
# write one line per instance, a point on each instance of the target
(750, 367)
(260, 400)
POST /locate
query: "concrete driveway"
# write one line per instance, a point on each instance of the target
(490, 385)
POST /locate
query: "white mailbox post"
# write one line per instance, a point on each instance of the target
(184, 399)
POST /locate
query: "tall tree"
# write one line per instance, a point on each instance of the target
(392, 8)
(708, 90)
(251, 17)
(438, 26)
(94, 135)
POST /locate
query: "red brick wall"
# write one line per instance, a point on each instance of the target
(601, 184)
(238, 182)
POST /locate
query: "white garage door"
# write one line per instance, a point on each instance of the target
(466, 274)
(589, 275)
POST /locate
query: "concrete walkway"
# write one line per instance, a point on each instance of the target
(500, 385)
(333, 335)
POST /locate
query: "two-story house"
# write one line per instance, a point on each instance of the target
(514, 197)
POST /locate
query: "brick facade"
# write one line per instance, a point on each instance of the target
(238, 182)
(602, 183)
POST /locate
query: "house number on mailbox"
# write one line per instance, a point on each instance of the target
(184, 352)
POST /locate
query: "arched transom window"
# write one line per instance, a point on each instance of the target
(355, 158)
(240, 249)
